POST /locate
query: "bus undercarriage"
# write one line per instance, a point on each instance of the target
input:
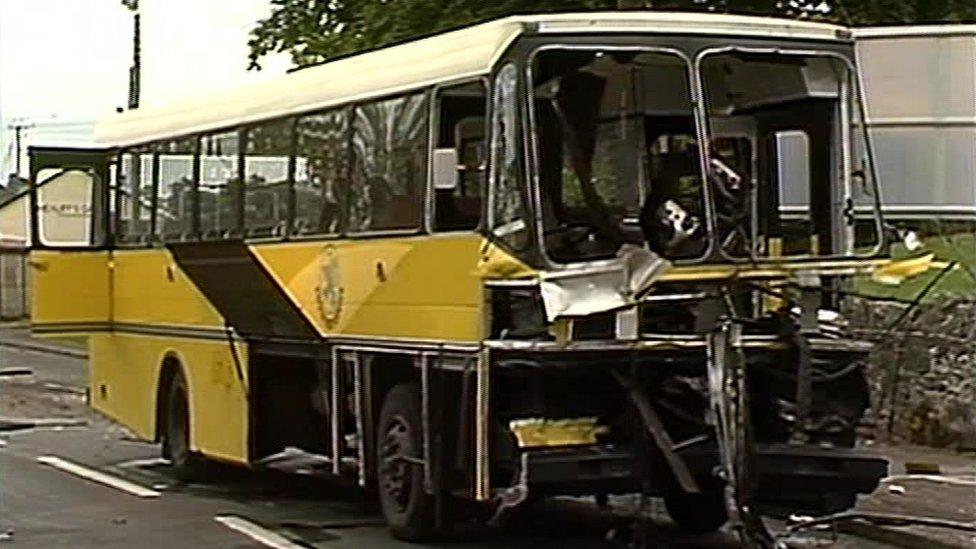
(721, 415)
(726, 417)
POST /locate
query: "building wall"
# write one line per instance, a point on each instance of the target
(14, 223)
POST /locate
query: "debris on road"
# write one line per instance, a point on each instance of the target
(12, 372)
(15, 424)
(896, 489)
(922, 468)
(879, 519)
(955, 480)
(20, 424)
(58, 388)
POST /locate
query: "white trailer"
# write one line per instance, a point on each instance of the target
(920, 86)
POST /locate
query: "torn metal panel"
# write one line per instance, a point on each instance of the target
(582, 292)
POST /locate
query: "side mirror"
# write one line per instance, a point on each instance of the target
(445, 169)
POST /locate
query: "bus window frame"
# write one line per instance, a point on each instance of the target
(232, 231)
(150, 239)
(529, 251)
(290, 205)
(69, 159)
(422, 226)
(430, 212)
(346, 110)
(855, 92)
(425, 227)
(156, 146)
(532, 148)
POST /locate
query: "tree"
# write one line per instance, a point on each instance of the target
(312, 31)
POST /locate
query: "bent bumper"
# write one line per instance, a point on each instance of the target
(798, 478)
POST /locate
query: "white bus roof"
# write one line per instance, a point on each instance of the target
(445, 57)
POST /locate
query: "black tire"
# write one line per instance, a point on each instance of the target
(702, 512)
(187, 465)
(408, 509)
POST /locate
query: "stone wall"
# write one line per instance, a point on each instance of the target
(923, 371)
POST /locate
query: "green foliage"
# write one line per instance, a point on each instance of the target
(312, 31)
(958, 283)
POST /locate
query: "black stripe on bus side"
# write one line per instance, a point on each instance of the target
(242, 291)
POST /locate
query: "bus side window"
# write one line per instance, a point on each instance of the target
(174, 195)
(460, 141)
(321, 172)
(389, 164)
(135, 197)
(267, 175)
(218, 186)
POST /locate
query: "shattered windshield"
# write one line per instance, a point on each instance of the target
(617, 154)
(779, 169)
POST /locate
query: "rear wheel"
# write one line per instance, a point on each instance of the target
(176, 433)
(408, 509)
(701, 512)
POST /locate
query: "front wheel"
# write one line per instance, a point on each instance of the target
(407, 507)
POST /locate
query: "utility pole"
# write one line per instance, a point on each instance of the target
(18, 126)
(135, 71)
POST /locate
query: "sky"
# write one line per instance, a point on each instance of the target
(64, 63)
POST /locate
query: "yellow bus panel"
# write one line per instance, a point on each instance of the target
(407, 287)
(150, 288)
(70, 288)
(125, 372)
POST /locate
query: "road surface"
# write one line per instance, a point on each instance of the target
(69, 478)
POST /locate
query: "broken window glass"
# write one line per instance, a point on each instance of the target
(618, 154)
(507, 210)
(799, 123)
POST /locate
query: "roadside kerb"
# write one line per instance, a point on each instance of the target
(43, 348)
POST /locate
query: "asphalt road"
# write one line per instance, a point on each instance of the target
(45, 506)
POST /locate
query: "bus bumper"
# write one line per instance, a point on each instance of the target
(788, 478)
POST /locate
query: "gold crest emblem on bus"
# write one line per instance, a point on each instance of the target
(329, 292)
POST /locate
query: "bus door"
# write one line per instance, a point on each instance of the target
(69, 258)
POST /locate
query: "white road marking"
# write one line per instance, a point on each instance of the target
(257, 533)
(147, 462)
(953, 480)
(98, 476)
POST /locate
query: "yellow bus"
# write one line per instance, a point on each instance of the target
(581, 254)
